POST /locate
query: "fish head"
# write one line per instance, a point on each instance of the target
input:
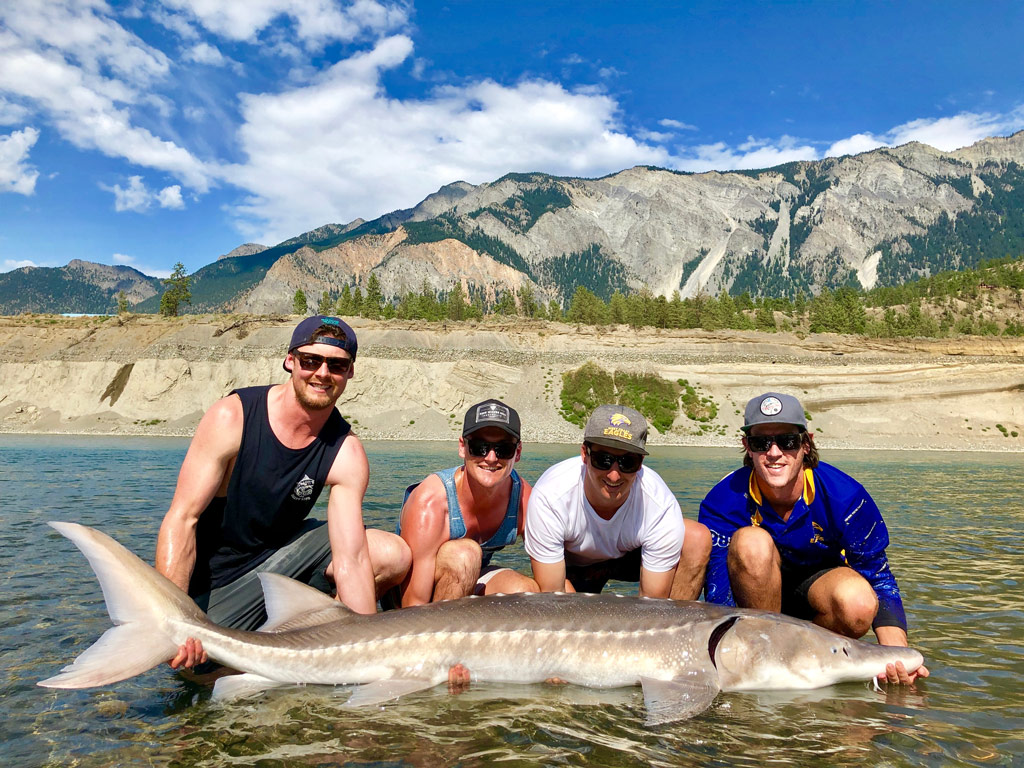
(766, 651)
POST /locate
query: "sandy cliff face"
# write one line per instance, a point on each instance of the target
(146, 375)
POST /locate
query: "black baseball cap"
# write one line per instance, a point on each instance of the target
(491, 413)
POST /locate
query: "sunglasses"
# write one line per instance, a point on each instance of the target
(762, 443)
(504, 449)
(310, 362)
(602, 460)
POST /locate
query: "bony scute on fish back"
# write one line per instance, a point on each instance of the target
(682, 653)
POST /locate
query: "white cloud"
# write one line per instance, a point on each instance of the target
(659, 137)
(6, 265)
(204, 53)
(943, 133)
(82, 72)
(677, 124)
(339, 147)
(752, 153)
(124, 260)
(135, 197)
(12, 114)
(316, 21)
(170, 197)
(15, 174)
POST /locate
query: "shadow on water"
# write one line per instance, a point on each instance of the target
(955, 522)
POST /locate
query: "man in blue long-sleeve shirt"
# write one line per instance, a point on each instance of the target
(795, 535)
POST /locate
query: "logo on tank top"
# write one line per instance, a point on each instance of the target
(303, 489)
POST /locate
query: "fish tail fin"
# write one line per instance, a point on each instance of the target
(141, 603)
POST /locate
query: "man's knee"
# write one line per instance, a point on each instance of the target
(853, 605)
(752, 550)
(460, 559)
(390, 557)
(696, 544)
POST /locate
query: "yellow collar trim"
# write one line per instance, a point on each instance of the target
(808, 493)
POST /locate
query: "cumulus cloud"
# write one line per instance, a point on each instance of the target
(752, 153)
(339, 147)
(6, 265)
(77, 68)
(204, 53)
(15, 173)
(944, 133)
(315, 21)
(170, 197)
(137, 197)
(124, 260)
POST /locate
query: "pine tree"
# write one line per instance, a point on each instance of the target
(299, 304)
(326, 305)
(373, 302)
(178, 291)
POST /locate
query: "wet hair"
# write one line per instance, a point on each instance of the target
(810, 456)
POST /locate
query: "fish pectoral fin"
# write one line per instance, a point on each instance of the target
(679, 699)
(231, 687)
(385, 690)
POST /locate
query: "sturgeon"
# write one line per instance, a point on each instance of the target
(682, 653)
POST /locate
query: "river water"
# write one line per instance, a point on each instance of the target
(956, 521)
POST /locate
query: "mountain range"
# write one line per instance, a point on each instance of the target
(877, 218)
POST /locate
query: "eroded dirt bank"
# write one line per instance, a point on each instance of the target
(144, 374)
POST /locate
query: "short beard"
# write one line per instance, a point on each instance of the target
(306, 402)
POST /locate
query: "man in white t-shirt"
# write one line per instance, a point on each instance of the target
(606, 516)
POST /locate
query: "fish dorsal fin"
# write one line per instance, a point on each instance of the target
(680, 698)
(294, 605)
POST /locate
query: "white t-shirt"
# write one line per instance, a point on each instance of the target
(561, 523)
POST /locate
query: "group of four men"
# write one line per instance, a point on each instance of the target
(786, 532)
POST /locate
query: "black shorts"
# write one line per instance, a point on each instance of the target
(593, 577)
(796, 582)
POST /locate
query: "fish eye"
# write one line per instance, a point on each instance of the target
(835, 650)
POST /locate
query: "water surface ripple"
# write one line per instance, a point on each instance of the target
(956, 522)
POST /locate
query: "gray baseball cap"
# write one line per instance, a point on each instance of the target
(774, 408)
(616, 426)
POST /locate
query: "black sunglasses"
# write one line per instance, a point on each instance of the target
(762, 443)
(602, 460)
(503, 449)
(310, 362)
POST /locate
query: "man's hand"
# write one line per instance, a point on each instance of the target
(896, 674)
(458, 679)
(189, 654)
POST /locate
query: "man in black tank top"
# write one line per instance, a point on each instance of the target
(258, 461)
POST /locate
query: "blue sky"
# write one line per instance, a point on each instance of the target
(154, 131)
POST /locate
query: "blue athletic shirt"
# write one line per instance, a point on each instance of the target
(835, 523)
(503, 537)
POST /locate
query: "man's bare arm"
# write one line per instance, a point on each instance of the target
(550, 577)
(353, 574)
(203, 472)
(654, 584)
(424, 529)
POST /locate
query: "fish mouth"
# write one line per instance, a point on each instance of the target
(716, 637)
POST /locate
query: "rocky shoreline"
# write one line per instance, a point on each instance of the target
(147, 375)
